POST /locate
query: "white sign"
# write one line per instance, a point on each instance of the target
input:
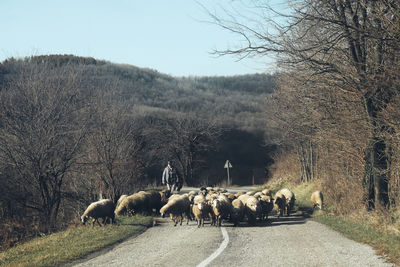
(228, 164)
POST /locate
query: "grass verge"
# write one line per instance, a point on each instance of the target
(73, 243)
(384, 243)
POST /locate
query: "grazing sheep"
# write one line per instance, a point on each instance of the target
(290, 199)
(177, 206)
(238, 211)
(267, 204)
(100, 209)
(121, 198)
(253, 209)
(279, 203)
(221, 207)
(317, 199)
(138, 202)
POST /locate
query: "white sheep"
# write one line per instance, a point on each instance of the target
(100, 209)
(267, 192)
(317, 199)
(253, 209)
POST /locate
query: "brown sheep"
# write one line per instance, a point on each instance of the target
(290, 199)
(177, 206)
(221, 207)
(100, 209)
(267, 204)
(201, 210)
(154, 198)
(317, 199)
(279, 203)
(238, 211)
(120, 200)
(136, 203)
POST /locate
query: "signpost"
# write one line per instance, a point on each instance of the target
(227, 166)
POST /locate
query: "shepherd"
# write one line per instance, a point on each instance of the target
(171, 178)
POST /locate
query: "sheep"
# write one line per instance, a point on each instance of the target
(243, 198)
(253, 209)
(258, 195)
(290, 199)
(317, 199)
(121, 198)
(279, 203)
(138, 202)
(221, 207)
(154, 199)
(164, 196)
(100, 209)
(238, 194)
(231, 197)
(238, 211)
(267, 205)
(176, 206)
(201, 210)
(267, 192)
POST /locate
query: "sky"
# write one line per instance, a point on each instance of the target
(170, 36)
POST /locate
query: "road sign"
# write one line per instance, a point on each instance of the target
(227, 164)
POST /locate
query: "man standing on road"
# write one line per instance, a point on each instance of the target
(171, 178)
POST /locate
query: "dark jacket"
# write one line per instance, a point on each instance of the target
(170, 175)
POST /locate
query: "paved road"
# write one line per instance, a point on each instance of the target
(288, 241)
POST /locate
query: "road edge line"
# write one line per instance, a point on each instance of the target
(216, 253)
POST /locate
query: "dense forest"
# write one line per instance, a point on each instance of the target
(73, 130)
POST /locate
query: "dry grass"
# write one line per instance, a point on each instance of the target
(73, 243)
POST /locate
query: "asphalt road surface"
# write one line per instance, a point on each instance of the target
(285, 241)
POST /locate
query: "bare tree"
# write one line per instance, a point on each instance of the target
(349, 46)
(42, 129)
(115, 147)
(185, 138)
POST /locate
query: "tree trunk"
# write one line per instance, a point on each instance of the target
(376, 182)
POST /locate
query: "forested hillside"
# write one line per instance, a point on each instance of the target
(75, 129)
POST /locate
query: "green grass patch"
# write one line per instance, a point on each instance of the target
(388, 244)
(73, 243)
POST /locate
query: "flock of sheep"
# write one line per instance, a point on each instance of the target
(213, 204)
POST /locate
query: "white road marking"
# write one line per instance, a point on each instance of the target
(216, 253)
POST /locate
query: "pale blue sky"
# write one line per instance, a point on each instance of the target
(165, 35)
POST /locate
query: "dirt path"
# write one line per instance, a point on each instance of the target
(289, 241)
